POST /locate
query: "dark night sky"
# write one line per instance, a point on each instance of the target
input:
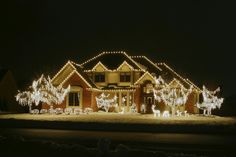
(197, 38)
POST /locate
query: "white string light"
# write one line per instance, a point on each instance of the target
(171, 95)
(210, 101)
(42, 90)
(105, 103)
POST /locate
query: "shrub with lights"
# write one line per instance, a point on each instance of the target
(42, 90)
(172, 96)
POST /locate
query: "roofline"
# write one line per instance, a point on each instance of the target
(148, 61)
(68, 63)
(75, 72)
(112, 52)
(100, 63)
(146, 73)
(110, 90)
(126, 64)
(174, 79)
(185, 80)
(100, 54)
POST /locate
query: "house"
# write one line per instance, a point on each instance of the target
(129, 78)
(8, 89)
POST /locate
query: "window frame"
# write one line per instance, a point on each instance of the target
(99, 77)
(125, 76)
(75, 99)
(78, 90)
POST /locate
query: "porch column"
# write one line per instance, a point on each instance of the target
(127, 102)
(120, 101)
(92, 101)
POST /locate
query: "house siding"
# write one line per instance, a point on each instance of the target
(75, 80)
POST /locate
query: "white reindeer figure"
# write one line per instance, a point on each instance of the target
(210, 101)
(104, 102)
(156, 113)
(122, 110)
(179, 113)
(166, 114)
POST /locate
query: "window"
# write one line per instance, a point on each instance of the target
(125, 77)
(149, 88)
(74, 99)
(100, 77)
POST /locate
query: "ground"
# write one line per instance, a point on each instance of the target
(127, 134)
(125, 118)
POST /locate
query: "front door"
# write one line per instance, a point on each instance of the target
(149, 101)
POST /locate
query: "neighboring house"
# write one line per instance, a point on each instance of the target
(8, 90)
(117, 73)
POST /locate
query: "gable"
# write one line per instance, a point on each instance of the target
(63, 73)
(125, 67)
(146, 76)
(170, 74)
(75, 79)
(175, 83)
(112, 60)
(99, 67)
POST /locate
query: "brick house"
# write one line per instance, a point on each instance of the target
(117, 73)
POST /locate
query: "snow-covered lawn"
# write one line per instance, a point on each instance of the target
(125, 118)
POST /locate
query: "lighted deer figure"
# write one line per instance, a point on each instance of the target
(104, 102)
(210, 101)
(156, 113)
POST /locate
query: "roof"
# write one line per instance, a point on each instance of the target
(111, 60)
(168, 74)
(85, 76)
(147, 64)
(147, 75)
(67, 70)
(114, 60)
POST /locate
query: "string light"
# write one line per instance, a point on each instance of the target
(171, 95)
(110, 90)
(116, 52)
(105, 103)
(75, 72)
(102, 65)
(210, 101)
(42, 90)
(68, 63)
(146, 73)
(124, 63)
(148, 61)
(185, 80)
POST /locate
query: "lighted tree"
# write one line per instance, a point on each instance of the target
(105, 103)
(210, 101)
(42, 90)
(25, 98)
(171, 95)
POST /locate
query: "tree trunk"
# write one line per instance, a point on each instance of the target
(173, 111)
(30, 108)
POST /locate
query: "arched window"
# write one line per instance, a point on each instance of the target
(75, 97)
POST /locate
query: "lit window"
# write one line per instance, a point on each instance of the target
(125, 77)
(100, 77)
(74, 99)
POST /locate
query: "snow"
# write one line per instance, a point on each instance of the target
(131, 118)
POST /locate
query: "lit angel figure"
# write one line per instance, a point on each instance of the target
(210, 101)
(172, 96)
(105, 103)
(42, 90)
